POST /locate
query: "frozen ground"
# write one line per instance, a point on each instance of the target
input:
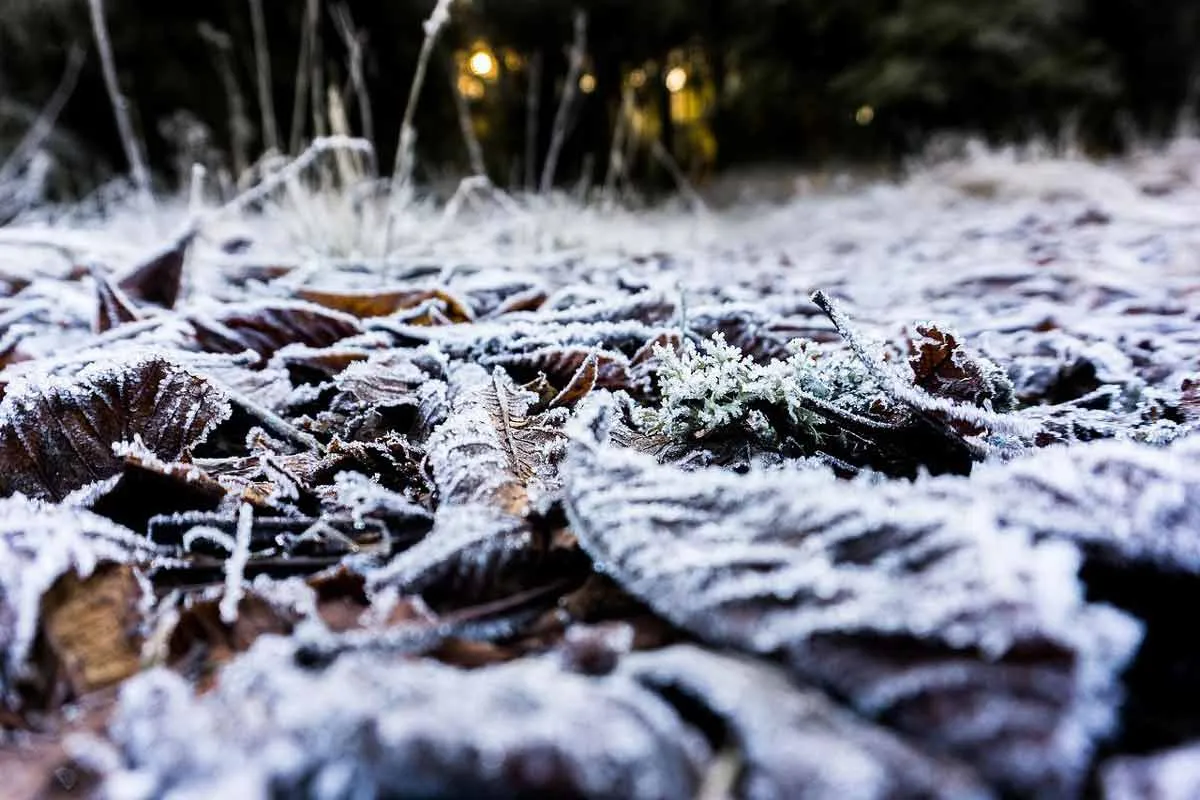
(587, 502)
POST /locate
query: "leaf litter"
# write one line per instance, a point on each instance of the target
(663, 514)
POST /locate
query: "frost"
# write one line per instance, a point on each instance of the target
(1173, 775)
(369, 726)
(56, 434)
(792, 740)
(909, 605)
(39, 544)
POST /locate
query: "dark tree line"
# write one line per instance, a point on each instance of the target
(789, 75)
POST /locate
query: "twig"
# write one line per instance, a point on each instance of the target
(684, 185)
(533, 101)
(616, 153)
(262, 60)
(316, 68)
(558, 136)
(44, 124)
(235, 566)
(292, 169)
(402, 173)
(474, 151)
(354, 49)
(120, 106)
(239, 120)
(300, 98)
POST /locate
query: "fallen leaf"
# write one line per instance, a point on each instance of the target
(158, 279)
(383, 303)
(90, 627)
(793, 741)
(268, 327)
(931, 617)
(57, 434)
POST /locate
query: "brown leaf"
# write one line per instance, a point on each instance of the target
(380, 304)
(113, 307)
(561, 364)
(582, 382)
(90, 627)
(491, 447)
(268, 327)
(57, 435)
(148, 486)
(942, 367)
(201, 642)
(1189, 404)
(157, 280)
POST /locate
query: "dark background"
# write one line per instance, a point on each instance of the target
(784, 78)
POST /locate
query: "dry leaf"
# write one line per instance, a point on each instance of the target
(57, 434)
(158, 279)
(90, 627)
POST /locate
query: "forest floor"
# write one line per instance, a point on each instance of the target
(890, 490)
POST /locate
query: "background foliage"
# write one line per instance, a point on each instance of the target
(788, 76)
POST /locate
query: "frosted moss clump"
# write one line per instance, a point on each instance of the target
(715, 388)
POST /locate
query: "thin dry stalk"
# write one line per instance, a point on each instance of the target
(558, 136)
(262, 61)
(353, 41)
(239, 119)
(533, 102)
(41, 128)
(672, 166)
(316, 68)
(616, 153)
(474, 150)
(300, 98)
(292, 170)
(402, 173)
(133, 153)
(349, 162)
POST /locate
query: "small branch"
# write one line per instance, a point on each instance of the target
(474, 151)
(262, 61)
(354, 48)
(681, 182)
(120, 106)
(558, 136)
(239, 120)
(533, 101)
(300, 98)
(44, 124)
(402, 173)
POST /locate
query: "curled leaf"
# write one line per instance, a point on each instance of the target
(971, 639)
(793, 741)
(387, 728)
(57, 434)
(267, 328)
(157, 280)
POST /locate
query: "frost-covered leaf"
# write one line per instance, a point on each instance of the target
(971, 638)
(582, 382)
(942, 367)
(561, 365)
(90, 627)
(388, 301)
(268, 327)
(793, 741)
(1173, 775)
(113, 308)
(39, 545)
(491, 449)
(473, 552)
(369, 726)
(57, 434)
(157, 279)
